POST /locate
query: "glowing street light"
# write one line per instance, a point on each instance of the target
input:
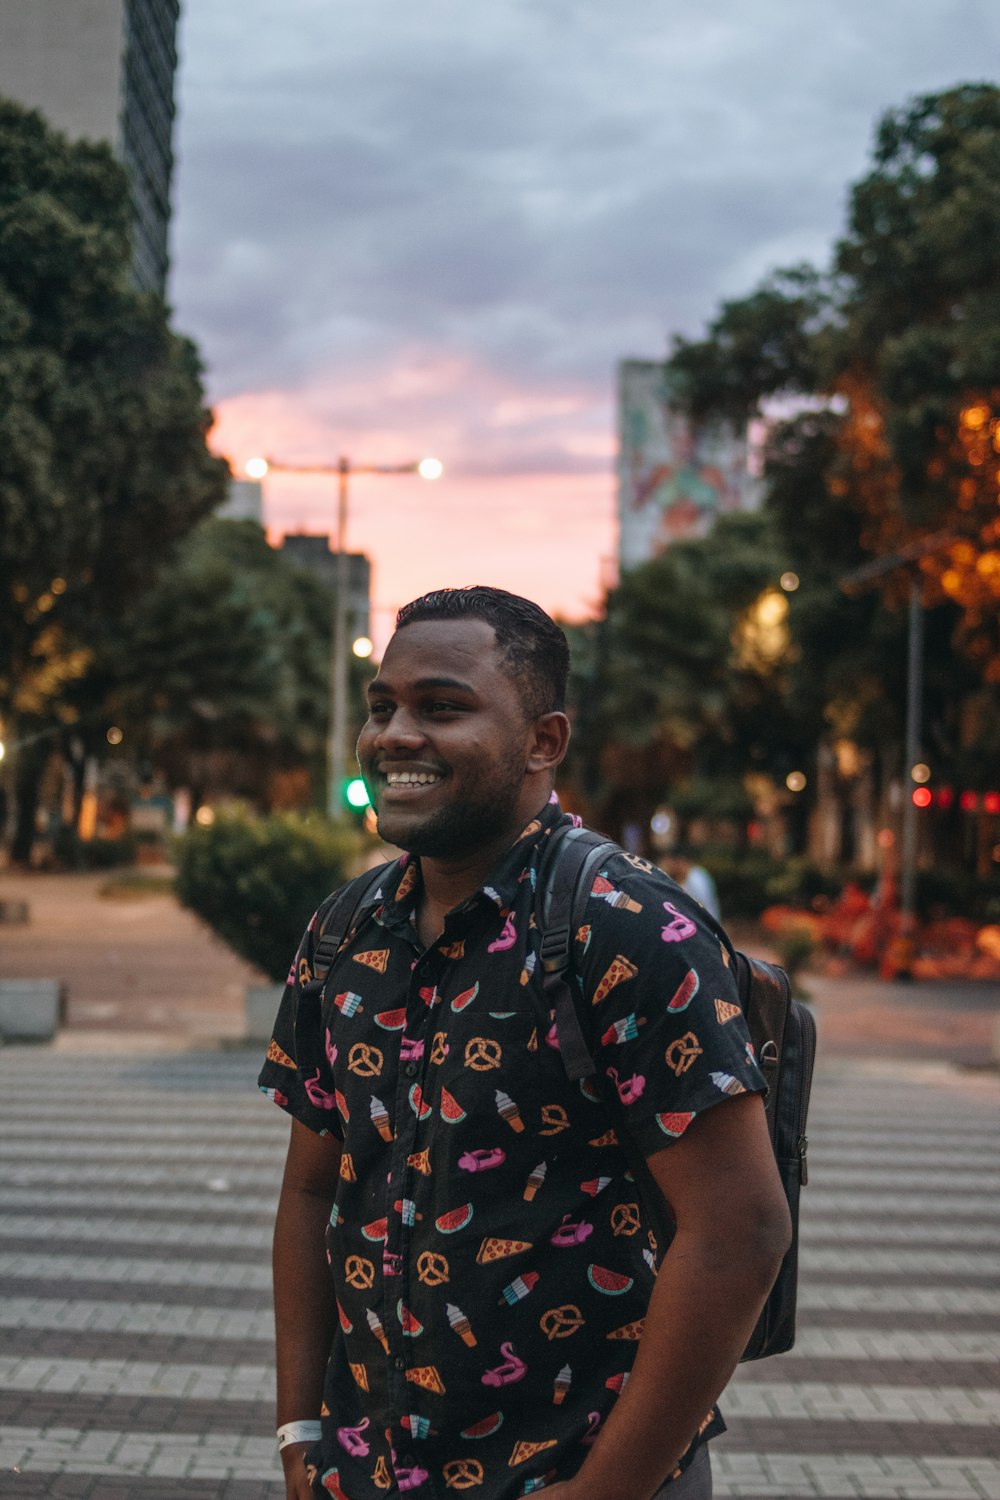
(257, 468)
(363, 646)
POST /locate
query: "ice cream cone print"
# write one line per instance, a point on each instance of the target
(380, 1119)
(508, 1110)
(534, 1182)
(377, 1329)
(727, 1083)
(460, 1324)
(562, 1384)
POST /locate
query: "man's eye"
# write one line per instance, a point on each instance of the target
(378, 710)
(441, 706)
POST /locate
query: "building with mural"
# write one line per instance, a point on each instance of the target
(673, 478)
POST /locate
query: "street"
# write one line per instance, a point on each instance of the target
(141, 1170)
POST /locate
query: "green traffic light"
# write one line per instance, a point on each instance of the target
(356, 793)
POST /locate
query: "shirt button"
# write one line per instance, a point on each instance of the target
(399, 1362)
(411, 1070)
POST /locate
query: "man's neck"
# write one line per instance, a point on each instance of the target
(449, 882)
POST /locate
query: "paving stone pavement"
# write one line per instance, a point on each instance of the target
(135, 1327)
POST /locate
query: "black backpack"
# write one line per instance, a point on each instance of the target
(783, 1032)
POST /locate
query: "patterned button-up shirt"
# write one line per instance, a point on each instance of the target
(490, 1253)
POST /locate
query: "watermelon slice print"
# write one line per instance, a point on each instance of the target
(685, 992)
(376, 1230)
(465, 998)
(611, 1283)
(451, 1110)
(391, 1020)
(454, 1219)
(674, 1124)
(484, 1428)
(418, 1103)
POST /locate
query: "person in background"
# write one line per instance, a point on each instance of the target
(694, 879)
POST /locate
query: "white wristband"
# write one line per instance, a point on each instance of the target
(299, 1432)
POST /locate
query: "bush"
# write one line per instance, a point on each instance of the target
(257, 881)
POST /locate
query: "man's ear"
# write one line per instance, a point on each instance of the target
(550, 741)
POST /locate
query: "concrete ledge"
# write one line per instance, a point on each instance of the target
(261, 1007)
(31, 1010)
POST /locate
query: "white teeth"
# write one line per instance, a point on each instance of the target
(411, 778)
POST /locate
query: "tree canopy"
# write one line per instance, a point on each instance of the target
(878, 380)
(103, 462)
(897, 341)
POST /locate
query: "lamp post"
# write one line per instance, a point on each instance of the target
(862, 578)
(256, 468)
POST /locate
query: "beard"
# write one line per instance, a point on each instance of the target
(463, 826)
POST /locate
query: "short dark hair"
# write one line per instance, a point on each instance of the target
(533, 649)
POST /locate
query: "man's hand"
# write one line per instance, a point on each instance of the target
(297, 1486)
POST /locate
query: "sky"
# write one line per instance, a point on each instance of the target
(403, 230)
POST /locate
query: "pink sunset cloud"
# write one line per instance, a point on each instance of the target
(526, 501)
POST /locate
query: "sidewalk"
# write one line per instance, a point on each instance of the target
(137, 963)
(144, 965)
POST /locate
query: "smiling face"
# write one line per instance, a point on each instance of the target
(449, 758)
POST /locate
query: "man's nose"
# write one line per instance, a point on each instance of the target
(402, 729)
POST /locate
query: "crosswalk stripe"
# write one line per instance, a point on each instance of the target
(154, 1455)
(180, 1321)
(110, 1230)
(810, 1401)
(852, 1476)
(181, 1272)
(857, 1475)
(806, 1401)
(65, 1314)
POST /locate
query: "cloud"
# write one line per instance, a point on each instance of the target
(520, 195)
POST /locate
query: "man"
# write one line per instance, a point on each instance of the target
(494, 1315)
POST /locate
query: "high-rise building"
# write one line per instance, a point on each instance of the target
(104, 70)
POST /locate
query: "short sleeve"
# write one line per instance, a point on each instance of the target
(297, 1074)
(658, 980)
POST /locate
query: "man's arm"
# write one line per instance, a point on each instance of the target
(722, 1186)
(304, 1303)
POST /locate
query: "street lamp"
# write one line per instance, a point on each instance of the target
(257, 468)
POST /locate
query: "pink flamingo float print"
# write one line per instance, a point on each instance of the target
(507, 938)
(509, 1371)
(678, 928)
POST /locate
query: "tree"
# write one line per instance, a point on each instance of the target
(897, 343)
(221, 671)
(103, 463)
(889, 447)
(682, 685)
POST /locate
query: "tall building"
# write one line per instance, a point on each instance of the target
(312, 551)
(104, 70)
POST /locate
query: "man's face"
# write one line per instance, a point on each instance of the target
(444, 751)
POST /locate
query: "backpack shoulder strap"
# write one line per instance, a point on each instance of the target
(339, 916)
(564, 879)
